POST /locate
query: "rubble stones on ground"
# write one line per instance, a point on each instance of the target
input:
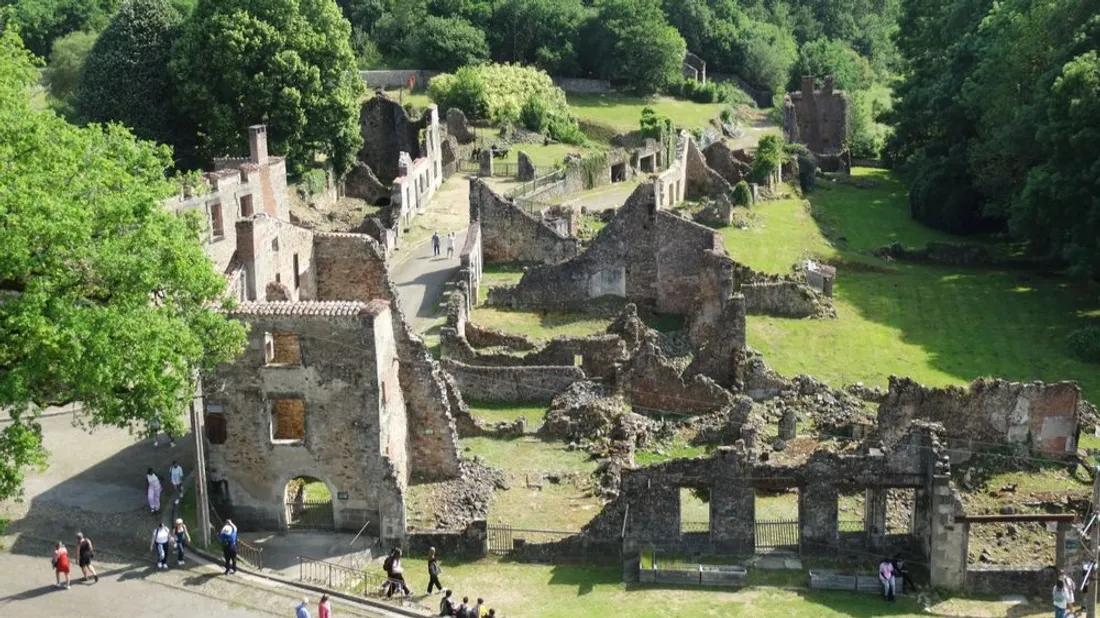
(587, 411)
(715, 212)
(467, 498)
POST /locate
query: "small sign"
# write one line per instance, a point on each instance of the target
(1072, 544)
(429, 432)
(341, 495)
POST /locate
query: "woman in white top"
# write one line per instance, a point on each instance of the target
(1060, 599)
(152, 490)
(161, 537)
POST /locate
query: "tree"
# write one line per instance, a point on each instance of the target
(447, 43)
(637, 45)
(825, 57)
(63, 72)
(43, 21)
(767, 55)
(126, 77)
(362, 14)
(106, 298)
(543, 33)
(284, 63)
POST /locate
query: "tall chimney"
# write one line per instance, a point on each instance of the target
(828, 87)
(257, 143)
(807, 86)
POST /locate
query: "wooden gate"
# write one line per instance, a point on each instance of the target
(777, 534)
(500, 540)
(503, 540)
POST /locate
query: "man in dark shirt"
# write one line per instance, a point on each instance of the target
(446, 606)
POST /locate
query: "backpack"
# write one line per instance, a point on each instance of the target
(387, 566)
(226, 538)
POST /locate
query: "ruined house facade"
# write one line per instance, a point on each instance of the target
(820, 119)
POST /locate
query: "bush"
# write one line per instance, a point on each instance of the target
(1084, 343)
(769, 156)
(710, 92)
(465, 90)
(535, 116)
(567, 132)
(742, 195)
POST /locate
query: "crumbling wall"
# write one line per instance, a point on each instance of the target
(645, 255)
(510, 234)
(353, 267)
(730, 165)
(655, 385)
(1041, 416)
(361, 183)
(820, 119)
(527, 384)
(458, 127)
(276, 252)
(470, 261)
(785, 298)
(387, 132)
(701, 180)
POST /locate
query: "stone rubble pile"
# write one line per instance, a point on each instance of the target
(467, 498)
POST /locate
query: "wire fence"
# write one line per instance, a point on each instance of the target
(538, 183)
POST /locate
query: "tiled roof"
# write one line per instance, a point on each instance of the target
(329, 308)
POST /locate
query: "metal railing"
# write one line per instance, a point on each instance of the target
(337, 577)
(777, 534)
(310, 514)
(534, 185)
(246, 552)
(503, 540)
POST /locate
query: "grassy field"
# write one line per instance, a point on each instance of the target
(419, 100)
(567, 591)
(940, 325)
(622, 112)
(547, 155)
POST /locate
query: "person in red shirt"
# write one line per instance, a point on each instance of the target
(324, 609)
(61, 563)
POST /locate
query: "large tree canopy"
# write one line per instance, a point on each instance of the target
(284, 63)
(126, 80)
(633, 41)
(43, 21)
(106, 298)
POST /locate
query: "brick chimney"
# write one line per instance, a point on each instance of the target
(828, 87)
(257, 143)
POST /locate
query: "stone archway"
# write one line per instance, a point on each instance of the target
(308, 504)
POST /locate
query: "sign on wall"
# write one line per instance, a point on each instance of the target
(341, 495)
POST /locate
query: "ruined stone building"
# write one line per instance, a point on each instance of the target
(401, 164)
(238, 189)
(820, 119)
(333, 385)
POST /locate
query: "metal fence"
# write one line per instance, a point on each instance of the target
(538, 183)
(247, 553)
(310, 514)
(465, 165)
(850, 525)
(503, 540)
(777, 534)
(694, 526)
(338, 577)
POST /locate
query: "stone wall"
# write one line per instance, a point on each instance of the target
(1034, 581)
(354, 267)
(470, 261)
(397, 78)
(820, 119)
(702, 180)
(274, 251)
(783, 298)
(510, 234)
(582, 85)
(1040, 416)
(645, 255)
(387, 132)
(528, 384)
(732, 165)
(654, 385)
(353, 436)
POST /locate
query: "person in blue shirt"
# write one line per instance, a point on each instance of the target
(228, 538)
(302, 611)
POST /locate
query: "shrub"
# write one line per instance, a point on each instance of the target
(535, 116)
(567, 132)
(1084, 343)
(742, 195)
(465, 90)
(769, 156)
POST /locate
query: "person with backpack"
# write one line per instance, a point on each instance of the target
(152, 490)
(433, 571)
(228, 539)
(396, 574)
(446, 606)
(85, 552)
(463, 608)
(161, 536)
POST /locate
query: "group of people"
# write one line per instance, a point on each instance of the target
(175, 538)
(889, 571)
(450, 244)
(395, 581)
(324, 608)
(153, 485)
(1063, 595)
(85, 553)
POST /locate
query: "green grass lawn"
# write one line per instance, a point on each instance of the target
(496, 412)
(940, 325)
(545, 155)
(622, 112)
(570, 591)
(419, 99)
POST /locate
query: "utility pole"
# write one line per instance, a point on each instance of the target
(1094, 544)
(202, 500)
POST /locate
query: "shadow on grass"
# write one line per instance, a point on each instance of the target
(861, 605)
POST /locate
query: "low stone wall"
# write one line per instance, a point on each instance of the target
(509, 234)
(1033, 581)
(485, 337)
(581, 85)
(397, 78)
(784, 299)
(512, 384)
(468, 542)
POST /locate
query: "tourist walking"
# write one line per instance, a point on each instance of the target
(152, 490)
(182, 539)
(435, 243)
(446, 605)
(302, 611)
(228, 538)
(324, 608)
(60, 562)
(395, 572)
(85, 552)
(1058, 596)
(161, 536)
(1070, 587)
(886, 576)
(175, 475)
(154, 428)
(450, 245)
(433, 571)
